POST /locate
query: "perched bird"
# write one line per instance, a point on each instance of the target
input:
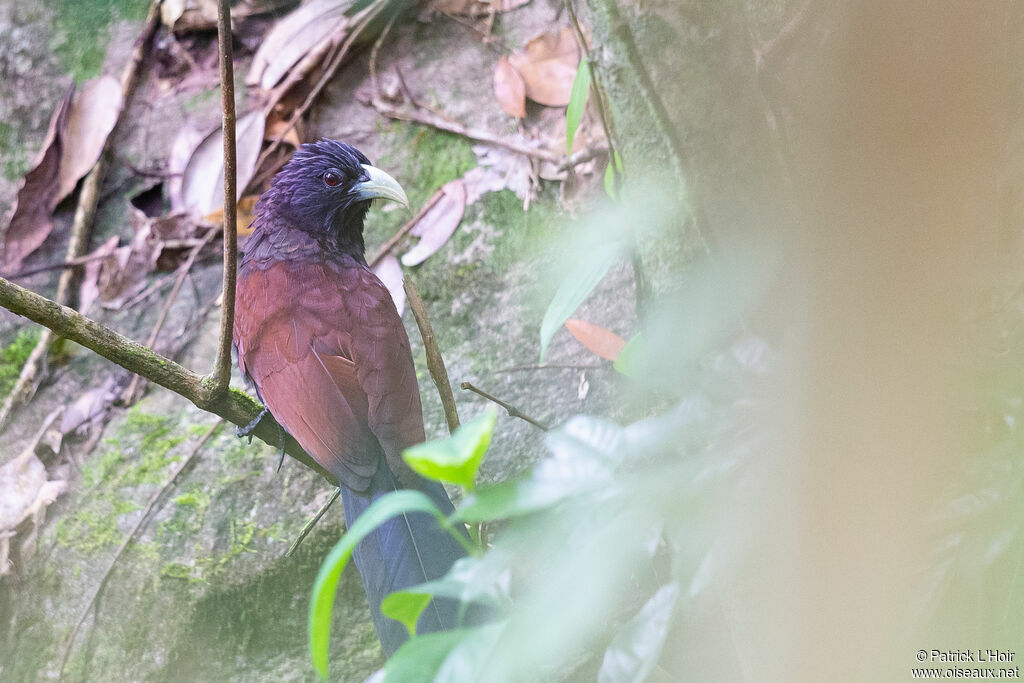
(318, 336)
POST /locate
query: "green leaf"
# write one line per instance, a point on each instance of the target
(469, 660)
(577, 101)
(420, 658)
(629, 357)
(581, 279)
(326, 585)
(635, 651)
(406, 606)
(456, 458)
(614, 169)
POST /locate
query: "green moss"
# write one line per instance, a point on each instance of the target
(88, 531)
(194, 500)
(13, 357)
(13, 156)
(177, 570)
(82, 30)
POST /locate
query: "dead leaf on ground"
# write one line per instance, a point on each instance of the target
(93, 115)
(202, 182)
(599, 340)
(389, 270)
(438, 224)
(509, 89)
(498, 169)
(90, 288)
(476, 8)
(184, 145)
(548, 67)
(92, 404)
(201, 15)
(243, 216)
(123, 273)
(31, 221)
(305, 30)
(27, 493)
(276, 126)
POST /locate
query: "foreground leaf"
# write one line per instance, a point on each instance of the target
(406, 606)
(635, 651)
(576, 286)
(326, 585)
(420, 658)
(577, 103)
(456, 458)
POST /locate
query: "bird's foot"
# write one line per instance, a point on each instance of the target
(247, 429)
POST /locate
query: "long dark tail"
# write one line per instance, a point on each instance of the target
(404, 551)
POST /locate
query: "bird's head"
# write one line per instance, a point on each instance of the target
(326, 189)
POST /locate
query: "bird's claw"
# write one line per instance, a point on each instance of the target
(246, 431)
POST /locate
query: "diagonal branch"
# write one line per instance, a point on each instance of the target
(234, 406)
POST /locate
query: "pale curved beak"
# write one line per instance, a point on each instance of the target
(380, 185)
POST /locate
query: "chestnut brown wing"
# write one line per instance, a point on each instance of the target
(330, 358)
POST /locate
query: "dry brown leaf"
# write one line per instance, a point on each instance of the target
(90, 287)
(600, 340)
(243, 216)
(90, 405)
(476, 8)
(202, 182)
(123, 273)
(548, 67)
(93, 115)
(276, 126)
(184, 145)
(302, 31)
(498, 169)
(389, 270)
(438, 224)
(509, 89)
(31, 220)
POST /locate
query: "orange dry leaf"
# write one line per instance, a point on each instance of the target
(509, 89)
(600, 340)
(243, 216)
(548, 67)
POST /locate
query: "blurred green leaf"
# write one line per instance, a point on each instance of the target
(469, 659)
(326, 585)
(456, 458)
(577, 284)
(406, 607)
(484, 581)
(626, 363)
(614, 169)
(420, 658)
(577, 102)
(635, 651)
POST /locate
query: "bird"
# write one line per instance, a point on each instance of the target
(318, 337)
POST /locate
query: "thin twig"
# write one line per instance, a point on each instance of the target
(131, 536)
(435, 363)
(431, 119)
(72, 263)
(364, 17)
(509, 408)
(85, 212)
(222, 369)
(404, 230)
(312, 523)
(131, 394)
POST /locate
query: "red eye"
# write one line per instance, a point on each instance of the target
(332, 179)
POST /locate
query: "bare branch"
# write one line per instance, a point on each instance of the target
(434, 361)
(222, 368)
(509, 408)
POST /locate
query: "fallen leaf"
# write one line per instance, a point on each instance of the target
(243, 215)
(201, 15)
(276, 126)
(88, 406)
(438, 224)
(509, 89)
(476, 8)
(498, 169)
(307, 29)
(202, 182)
(90, 287)
(548, 66)
(93, 115)
(600, 340)
(31, 221)
(123, 273)
(389, 270)
(185, 142)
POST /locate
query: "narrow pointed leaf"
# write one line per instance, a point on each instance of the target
(577, 103)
